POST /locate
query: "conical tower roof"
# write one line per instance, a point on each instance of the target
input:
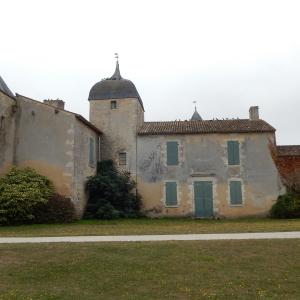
(114, 87)
(196, 116)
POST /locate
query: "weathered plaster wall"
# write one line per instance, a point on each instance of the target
(8, 114)
(45, 142)
(82, 167)
(119, 127)
(204, 157)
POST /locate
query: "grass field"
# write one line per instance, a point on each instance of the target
(262, 269)
(153, 226)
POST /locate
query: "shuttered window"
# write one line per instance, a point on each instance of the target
(233, 148)
(91, 152)
(171, 194)
(172, 153)
(236, 197)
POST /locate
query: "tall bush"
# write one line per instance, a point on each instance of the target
(20, 191)
(286, 206)
(111, 194)
(58, 209)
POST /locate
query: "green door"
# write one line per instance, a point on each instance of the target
(203, 199)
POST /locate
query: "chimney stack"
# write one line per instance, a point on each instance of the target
(55, 103)
(253, 113)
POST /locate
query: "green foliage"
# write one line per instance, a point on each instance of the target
(20, 191)
(287, 206)
(111, 194)
(58, 209)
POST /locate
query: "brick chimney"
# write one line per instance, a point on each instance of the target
(55, 103)
(253, 113)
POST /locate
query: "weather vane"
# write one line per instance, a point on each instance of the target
(117, 56)
(195, 102)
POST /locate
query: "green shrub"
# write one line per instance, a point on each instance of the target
(287, 206)
(20, 191)
(58, 209)
(111, 194)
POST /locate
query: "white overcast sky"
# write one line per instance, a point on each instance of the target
(226, 55)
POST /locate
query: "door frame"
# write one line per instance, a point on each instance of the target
(213, 181)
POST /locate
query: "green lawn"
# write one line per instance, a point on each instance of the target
(152, 226)
(256, 269)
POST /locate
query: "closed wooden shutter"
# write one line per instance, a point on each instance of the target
(236, 193)
(233, 149)
(171, 194)
(91, 152)
(172, 153)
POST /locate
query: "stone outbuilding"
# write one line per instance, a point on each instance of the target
(59, 144)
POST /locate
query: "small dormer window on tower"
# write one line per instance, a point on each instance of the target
(113, 104)
(122, 159)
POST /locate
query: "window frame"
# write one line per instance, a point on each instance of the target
(178, 153)
(92, 152)
(113, 104)
(119, 154)
(234, 163)
(177, 194)
(229, 192)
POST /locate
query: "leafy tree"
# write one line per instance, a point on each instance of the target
(20, 191)
(111, 194)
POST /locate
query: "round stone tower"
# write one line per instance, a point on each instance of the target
(116, 108)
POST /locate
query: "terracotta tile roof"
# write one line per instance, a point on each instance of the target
(289, 150)
(207, 126)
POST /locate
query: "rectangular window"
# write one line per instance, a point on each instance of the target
(91, 152)
(233, 148)
(113, 104)
(172, 153)
(236, 197)
(171, 194)
(122, 159)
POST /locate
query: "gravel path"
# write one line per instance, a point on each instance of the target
(146, 238)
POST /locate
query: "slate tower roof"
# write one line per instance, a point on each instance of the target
(4, 88)
(114, 87)
(196, 116)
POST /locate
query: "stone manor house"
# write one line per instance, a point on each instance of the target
(202, 168)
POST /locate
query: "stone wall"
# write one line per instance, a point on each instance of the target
(119, 127)
(55, 143)
(82, 167)
(204, 157)
(8, 113)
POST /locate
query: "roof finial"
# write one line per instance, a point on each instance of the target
(116, 75)
(195, 102)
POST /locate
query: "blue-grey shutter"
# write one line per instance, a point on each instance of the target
(91, 152)
(171, 193)
(172, 153)
(233, 149)
(236, 192)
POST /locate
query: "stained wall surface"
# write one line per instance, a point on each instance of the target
(83, 167)
(204, 158)
(55, 144)
(119, 127)
(8, 115)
